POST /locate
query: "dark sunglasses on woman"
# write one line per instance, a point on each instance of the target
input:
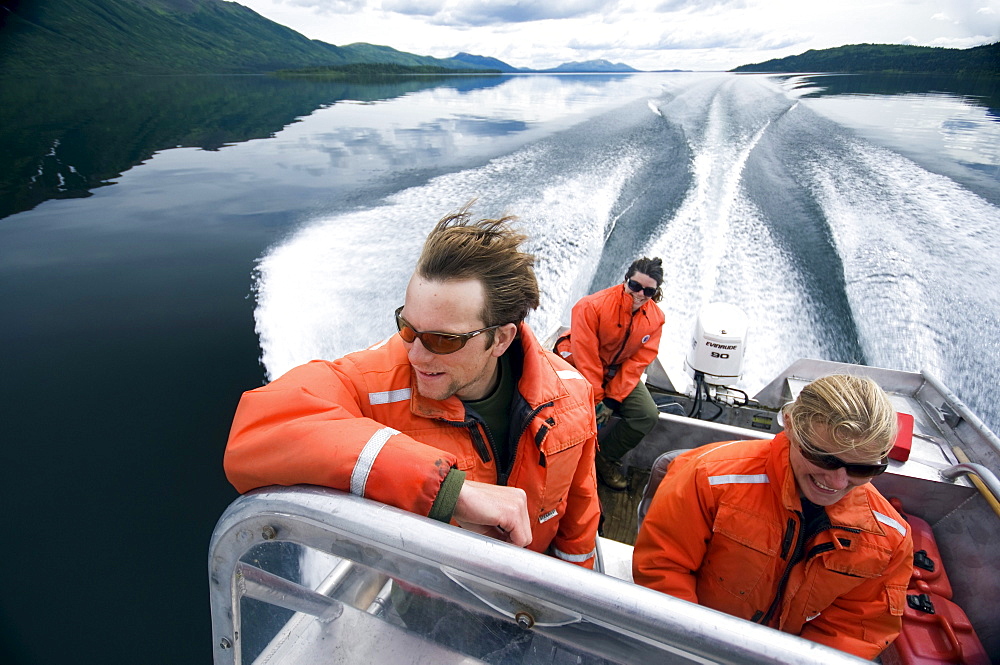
(635, 286)
(832, 462)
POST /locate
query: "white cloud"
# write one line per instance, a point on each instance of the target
(960, 42)
(698, 5)
(491, 12)
(686, 40)
(976, 17)
(327, 6)
(413, 7)
(646, 34)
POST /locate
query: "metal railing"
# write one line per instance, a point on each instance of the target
(593, 613)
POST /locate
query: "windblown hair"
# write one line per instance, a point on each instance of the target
(856, 411)
(487, 250)
(652, 267)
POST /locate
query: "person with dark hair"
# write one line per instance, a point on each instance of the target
(614, 335)
(462, 416)
(789, 532)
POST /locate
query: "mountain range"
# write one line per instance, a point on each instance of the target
(71, 37)
(82, 37)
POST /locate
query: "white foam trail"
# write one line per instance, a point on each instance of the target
(919, 255)
(754, 273)
(331, 288)
(899, 231)
(716, 248)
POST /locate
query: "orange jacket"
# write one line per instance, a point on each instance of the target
(358, 424)
(725, 522)
(604, 332)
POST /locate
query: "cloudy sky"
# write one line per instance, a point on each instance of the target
(646, 34)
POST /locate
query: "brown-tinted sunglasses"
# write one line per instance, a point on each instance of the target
(440, 343)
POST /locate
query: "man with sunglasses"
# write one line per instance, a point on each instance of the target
(789, 532)
(614, 335)
(462, 416)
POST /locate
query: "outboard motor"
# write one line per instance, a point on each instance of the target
(716, 351)
(715, 359)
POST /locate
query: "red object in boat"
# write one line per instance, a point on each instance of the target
(935, 631)
(904, 438)
(928, 569)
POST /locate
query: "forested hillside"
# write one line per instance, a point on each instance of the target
(44, 37)
(878, 58)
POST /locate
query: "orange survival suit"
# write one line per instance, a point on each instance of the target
(609, 344)
(358, 424)
(727, 519)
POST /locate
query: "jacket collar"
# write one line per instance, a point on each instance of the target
(780, 469)
(624, 301)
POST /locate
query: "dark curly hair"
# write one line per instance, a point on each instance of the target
(652, 267)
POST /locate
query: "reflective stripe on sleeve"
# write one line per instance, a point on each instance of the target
(389, 396)
(885, 519)
(359, 477)
(739, 478)
(572, 558)
(568, 374)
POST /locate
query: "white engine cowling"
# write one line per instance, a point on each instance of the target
(718, 343)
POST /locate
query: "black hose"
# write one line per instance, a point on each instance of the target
(699, 380)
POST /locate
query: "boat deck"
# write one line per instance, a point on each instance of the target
(620, 509)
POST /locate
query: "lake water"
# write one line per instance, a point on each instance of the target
(167, 243)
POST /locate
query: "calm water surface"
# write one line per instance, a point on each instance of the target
(168, 243)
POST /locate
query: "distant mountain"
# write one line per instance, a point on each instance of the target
(870, 58)
(484, 62)
(592, 66)
(72, 37)
(362, 53)
(588, 67)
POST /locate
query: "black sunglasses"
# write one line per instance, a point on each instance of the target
(440, 343)
(633, 285)
(831, 462)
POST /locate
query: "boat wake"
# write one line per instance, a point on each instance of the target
(835, 247)
(331, 288)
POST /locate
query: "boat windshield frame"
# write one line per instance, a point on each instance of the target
(598, 614)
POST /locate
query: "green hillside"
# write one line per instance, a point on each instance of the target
(373, 53)
(150, 37)
(885, 58)
(71, 37)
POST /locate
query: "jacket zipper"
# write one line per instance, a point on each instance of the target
(484, 446)
(628, 333)
(482, 449)
(517, 441)
(797, 555)
(792, 560)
